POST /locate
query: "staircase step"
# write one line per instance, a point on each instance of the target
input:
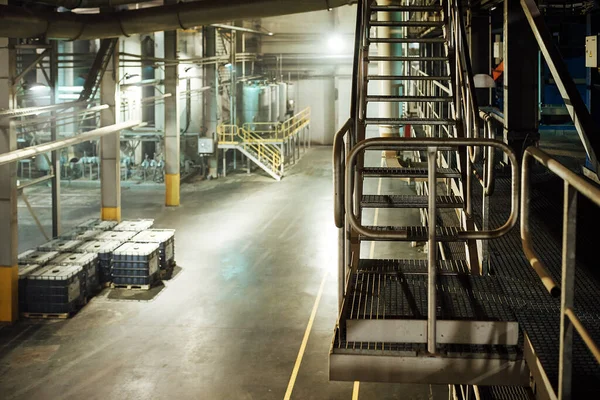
(407, 40)
(409, 24)
(409, 172)
(408, 201)
(396, 8)
(418, 233)
(404, 99)
(409, 121)
(404, 58)
(407, 78)
(411, 267)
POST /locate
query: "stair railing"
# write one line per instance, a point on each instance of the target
(573, 184)
(264, 151)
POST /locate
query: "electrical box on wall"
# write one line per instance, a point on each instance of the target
(591, 51)
(206, 146)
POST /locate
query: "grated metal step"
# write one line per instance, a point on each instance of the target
(417, 233)
(408, 201)
(382, 172)
(407, 40)
(394, 8)
(505, 393)
(410, 267)
(404, 58)
(409, 121)
(407, 78)
(416, 24)
(405, 99)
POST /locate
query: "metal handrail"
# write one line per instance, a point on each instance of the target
(338, 172)
(404, 144)
(588, 130)
(465, 76)
(573, 185)
(277, 131)
(488, 182)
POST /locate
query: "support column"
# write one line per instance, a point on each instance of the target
(55, 159)
(9, 272)
(110, 145)
(210, 96)
(520, 75)
(172, 177)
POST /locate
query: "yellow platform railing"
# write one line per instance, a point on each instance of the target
(251, 141)
(280, 131)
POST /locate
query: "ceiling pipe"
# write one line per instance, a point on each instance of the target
(72, 4)
(18, 22)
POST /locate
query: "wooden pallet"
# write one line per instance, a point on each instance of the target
(32, 315)
(130, 287)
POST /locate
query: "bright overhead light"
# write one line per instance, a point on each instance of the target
(335, 43)
(228, 65)
(270, 33)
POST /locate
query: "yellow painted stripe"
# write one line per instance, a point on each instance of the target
(311, 320)
(355, 390)
(9, 295)
(111, 213)
(172, 185)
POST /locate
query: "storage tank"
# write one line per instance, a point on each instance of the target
(291, 97)
(250, 103)
(264, 113)
(282, 101)
(274, 102)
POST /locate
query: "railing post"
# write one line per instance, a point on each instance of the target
(565, 371)
(432, 251)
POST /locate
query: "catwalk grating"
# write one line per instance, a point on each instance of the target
(418, 233)
(409, 201)
(381, 172)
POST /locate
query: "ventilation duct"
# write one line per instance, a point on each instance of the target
(18, 22)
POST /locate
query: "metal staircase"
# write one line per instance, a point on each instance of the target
(253, 146)
(435, 321)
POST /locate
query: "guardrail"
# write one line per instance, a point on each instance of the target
(234, 135)
(277, 132)
(404, 144)
(573, 184)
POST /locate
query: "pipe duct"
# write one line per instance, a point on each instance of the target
(18, 22)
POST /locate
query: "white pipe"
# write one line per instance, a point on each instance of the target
(28, 152)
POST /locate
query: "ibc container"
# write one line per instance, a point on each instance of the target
(24, 271)
(166, 242)
(104, 251)
(135, 225)
(135, 264)
(60, 245)
(37, 257)
(120, 236)
(89, 263)
(54, 289)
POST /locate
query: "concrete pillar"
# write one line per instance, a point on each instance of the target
(172, 177)
(110, 145)
(520, 79)
(9, 272)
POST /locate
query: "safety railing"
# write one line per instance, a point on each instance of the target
(573, 184)
(261, 148)
(466, 107)
(277, 132)
(408, 144)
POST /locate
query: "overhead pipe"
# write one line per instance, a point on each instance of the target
(73, 4)
(18, 22)
(29, 152)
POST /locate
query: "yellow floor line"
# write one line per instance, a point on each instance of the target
(355, 390)
(311, 320)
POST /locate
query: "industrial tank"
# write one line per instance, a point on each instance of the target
(282, 101)
(274, 102)
(264, 114)
(250, 103)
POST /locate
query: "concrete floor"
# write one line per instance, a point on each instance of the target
(253, 254)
